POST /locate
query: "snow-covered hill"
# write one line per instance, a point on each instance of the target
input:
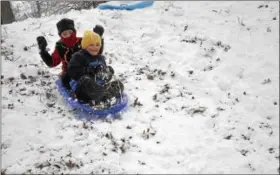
(203, 85)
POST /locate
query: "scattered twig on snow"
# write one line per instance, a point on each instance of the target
(240, 21)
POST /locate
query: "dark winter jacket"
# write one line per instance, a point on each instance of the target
(63, 53)
(81, 61)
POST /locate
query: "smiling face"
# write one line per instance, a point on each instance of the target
(66, 33)
(93, 49)
(91, 42)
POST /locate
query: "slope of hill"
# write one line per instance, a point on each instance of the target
(203, 85)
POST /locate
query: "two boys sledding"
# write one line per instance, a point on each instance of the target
(85, 73)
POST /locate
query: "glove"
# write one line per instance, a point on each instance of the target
(93, 70)
(108, 74)
(99, 68)
(109, 69)
(89, 70)
(99, 30)
(104, 74)
(42, 43)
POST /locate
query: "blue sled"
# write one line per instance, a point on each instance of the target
(125, 5)
(84, 111)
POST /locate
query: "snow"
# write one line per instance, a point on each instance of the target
(206, 76)
(22, 10)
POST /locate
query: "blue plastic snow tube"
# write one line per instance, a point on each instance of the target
(84, 111)
(125, 5)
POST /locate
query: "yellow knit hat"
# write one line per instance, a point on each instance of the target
(89, 38)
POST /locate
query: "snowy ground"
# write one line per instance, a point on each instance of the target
(205, 76)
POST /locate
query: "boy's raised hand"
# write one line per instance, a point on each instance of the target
(42, 43)
(99, 30)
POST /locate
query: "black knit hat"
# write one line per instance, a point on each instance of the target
(65, 24)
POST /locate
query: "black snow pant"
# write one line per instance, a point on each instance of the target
(88, 90)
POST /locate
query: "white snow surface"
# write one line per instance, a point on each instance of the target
(206, 75)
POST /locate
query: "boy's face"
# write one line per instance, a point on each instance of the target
(66, 33)
(93, 49)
